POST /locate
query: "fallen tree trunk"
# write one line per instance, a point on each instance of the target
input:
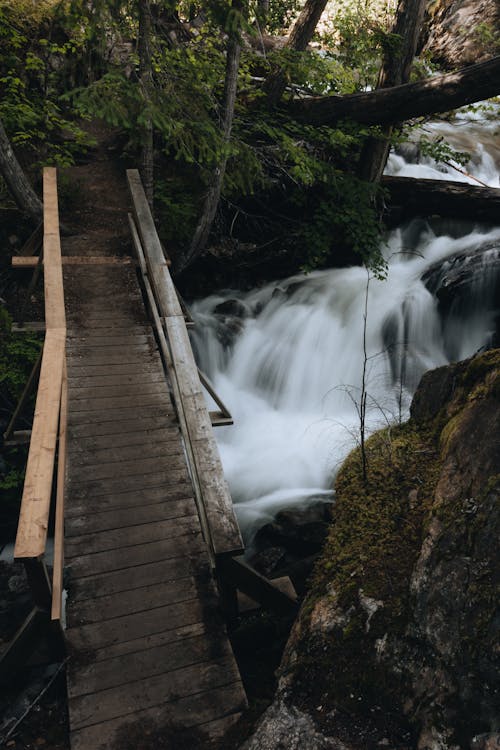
(410, 197)
(386, 106)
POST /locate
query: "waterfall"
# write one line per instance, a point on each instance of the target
(288, 358)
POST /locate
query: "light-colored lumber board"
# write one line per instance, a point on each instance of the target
(35, 505)
(58, 563)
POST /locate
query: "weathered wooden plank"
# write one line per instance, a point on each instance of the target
(126, 341)
(99, 635)
(101, 334)
(159, 639)
(157, 264)
(105, 562)
(115, 702)
(78, 369)
(30, 261)
(133, 381)
(165, 719)
(96, 473)
(115, 501)
(103, 403)
(128, 536)
(124, 426)
(154, 411)
(121, 603)
(120, 670)
(226, 537)
(123, 517)
(58, 562)
(149, 574)
(112, 356)
(141, 437)
(136, 452)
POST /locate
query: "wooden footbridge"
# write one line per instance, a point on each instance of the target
(124, 471)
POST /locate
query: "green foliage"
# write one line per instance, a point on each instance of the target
(33, 69)
(18, 353)
(441, 151)
(359, 37)
(281, 14)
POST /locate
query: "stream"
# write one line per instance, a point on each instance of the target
(287, 358)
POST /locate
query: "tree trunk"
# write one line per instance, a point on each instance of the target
(212, 197)
(146, 81)
(263, 14)
(409, 197)
(395, 71)
(17, 182)
(299, 38)
(399, 103)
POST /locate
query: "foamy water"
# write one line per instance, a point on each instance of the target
(290, 366)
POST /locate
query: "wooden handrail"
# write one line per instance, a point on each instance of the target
(212, 492)
(32, 528)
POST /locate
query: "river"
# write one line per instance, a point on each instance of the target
(288, 358)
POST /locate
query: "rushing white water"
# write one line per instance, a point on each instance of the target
(288, 358)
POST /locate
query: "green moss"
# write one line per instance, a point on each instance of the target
(374, 542)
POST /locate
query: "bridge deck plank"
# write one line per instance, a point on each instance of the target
(147, 642)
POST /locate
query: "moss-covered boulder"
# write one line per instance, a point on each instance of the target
(396, 641)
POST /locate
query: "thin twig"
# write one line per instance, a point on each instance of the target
(37, 699)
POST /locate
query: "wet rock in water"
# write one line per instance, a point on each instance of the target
(301, 532)
(268, 560)
(228, 331)
(454, 278)
(396, 642)
(232, 308)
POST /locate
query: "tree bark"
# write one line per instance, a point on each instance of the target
(212, 197)
(409, 197)
(17, 182)
(399, 103)
(146, 80)
(395, 71)
(300, 36)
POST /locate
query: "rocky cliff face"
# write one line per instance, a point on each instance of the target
(396, 642)
(462, 32)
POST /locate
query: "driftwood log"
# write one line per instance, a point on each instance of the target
(420, 197)
(399, 103)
